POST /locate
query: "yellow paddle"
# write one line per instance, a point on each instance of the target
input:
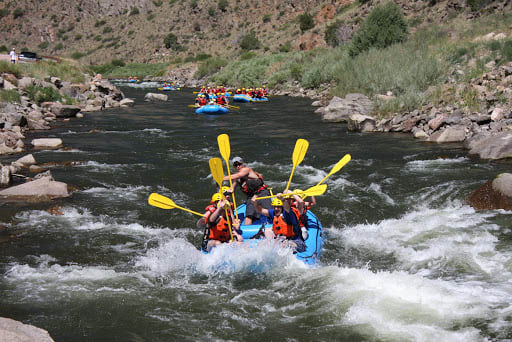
(218, 175)
(316, 190)
(163, 202)
(301, 147)
(192, 106)
(233, 107)
(343, 161)
(225, 151)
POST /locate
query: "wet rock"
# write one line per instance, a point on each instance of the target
(495, 194)
(47, 142)
(450, 134)
(361, 123)
(155, 97)
(339, 109)
(65, 111)
(492, 146)
(14, 331)
(127, 103)
(44, 187)
(27, 160)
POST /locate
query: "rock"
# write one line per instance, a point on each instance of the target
(64, 111)
(419, 134)
(43, 187)
(496, 146)
(339, 109)
(25, 82)
(47, 142)
(14, 331)
(497, 114)
(5, 175)
(155, 97)
(127, 102)
(361, 123)
(495, 194)
(27, 160)
(438, 121)
(450, 134)
(317, 104)
(9, 86)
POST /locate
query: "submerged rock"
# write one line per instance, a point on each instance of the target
(14, 331)
(495, 194)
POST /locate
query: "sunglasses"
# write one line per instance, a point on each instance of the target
(235, 164)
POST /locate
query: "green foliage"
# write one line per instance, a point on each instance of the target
(4, 12)
(17, 13)
(40, 94)
(157, 3)
(250, 42)
(135, 69)
(306, 22)
(77, 55)
(201, 57)
(286, 47)
(247, 55)
(210, 66)
(78, 36)
(330, 33)
(10, 96)
(211, 11)
(118, 63)
(266, 18)
(43, 45)
(384, 26)
(107, 29)
(134, 11)
(476, 5)
(99, 23)
(223, 5)
(4, 48)
(9, 68)
(59, 46)
(193, 4)
(171, 42)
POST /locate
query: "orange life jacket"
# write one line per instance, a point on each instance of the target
(252, 186)
(220, 231)
(302, 218)
(280, 227)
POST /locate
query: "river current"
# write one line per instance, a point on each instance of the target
(405, 259)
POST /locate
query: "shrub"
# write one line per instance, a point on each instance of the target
(4, 48)
(171, 42)
(266, 18)
(78, 37)
(157, 3)
(134, 11)
(59, 46)
(18, 12)
(306, 22)
(476, 5)
(118, 63)
(211, 11)
(77, 55)
(43, 45)
(247, 55)
(210, 66)
(40, 94)
(202, 57)
(193, 4)
(4, 12)
(107, 29)
(286, 47)
(223, 5)
(11, 96)
(250, 42)
(99, 23)
(384, 26)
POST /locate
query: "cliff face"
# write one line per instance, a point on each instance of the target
(98, 31)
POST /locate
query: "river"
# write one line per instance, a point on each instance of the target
(405, 259)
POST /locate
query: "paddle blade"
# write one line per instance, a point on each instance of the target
(224, 147)
(343, 161)
(161, 201)
(316, 190)
(301, 147)
(216, 170)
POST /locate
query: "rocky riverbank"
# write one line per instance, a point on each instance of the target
(96, 94)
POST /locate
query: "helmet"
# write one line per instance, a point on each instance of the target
(277, 203)
(216, 197)
(301, 195)
(224, 189)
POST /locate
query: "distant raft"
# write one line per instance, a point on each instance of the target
(212, 109)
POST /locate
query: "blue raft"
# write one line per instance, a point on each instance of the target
(259, 99)
(314, 242)
(212, 109)
(241, 98)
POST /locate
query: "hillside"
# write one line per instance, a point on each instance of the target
(135, 31)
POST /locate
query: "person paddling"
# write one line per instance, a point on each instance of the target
(251, 183)
(285, 225)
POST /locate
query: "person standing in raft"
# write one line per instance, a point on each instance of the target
(251, 183)
(285, 224)
(217, 226)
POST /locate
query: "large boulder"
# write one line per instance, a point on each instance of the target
(496, 146)
(450, 134)
(47, 143)
(495, 194)
(127, 102)
(155, 97)
(64, 111)
(14, 331)
(42, 187)
(339, 110)
(361, 123)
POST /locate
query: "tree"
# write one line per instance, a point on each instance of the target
(250, 42)
(384, 26)
(306, 22)
(171, 42)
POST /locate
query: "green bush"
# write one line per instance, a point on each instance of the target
(4, 12)
(330, 34)
(134, 11)
(77, 55)
(476, 5)
(210, 66)
(171, 42)
(4, 48)
(266, 18)
(17, 13)
(40, 94)
(118, 63)
(223, 5)
(211, 11)
(193, 4)
(306, 22)
(59, 46)
(10, 96)
(384, 26)
(43, 45)
(78, 36)
(247, 55)
(250, 42)
(202, 57)
(157, 3)
(286, 47)
(99, 23)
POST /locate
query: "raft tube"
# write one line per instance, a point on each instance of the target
(259, 99)
(241, 98)
(212, 109)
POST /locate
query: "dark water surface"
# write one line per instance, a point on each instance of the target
(405, 258)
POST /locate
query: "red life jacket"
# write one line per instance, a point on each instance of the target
(203, 101)
(280, 227)
(302, 218)
(220, 231)
(253, 186)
